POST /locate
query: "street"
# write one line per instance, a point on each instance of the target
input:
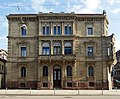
(59, 97)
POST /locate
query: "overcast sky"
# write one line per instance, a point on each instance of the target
(112, 8)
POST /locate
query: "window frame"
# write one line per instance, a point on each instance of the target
(90, 51)
(89, 30)
(68, 29)
(23, 52)
(46, 48)
(23, 71)
(68, 48)
(91, 71)
(58, 47)
(69, 71)
(45, 70)
(57, 30)
(23, 29)
(46, 29)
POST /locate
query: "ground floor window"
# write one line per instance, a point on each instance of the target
(69, 84)
(22, 84)
(91, 84)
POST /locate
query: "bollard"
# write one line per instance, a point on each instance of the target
(30, 91)
(78, 92)
(6, 91)
(54, 91)
(116, 89)
(102, 91)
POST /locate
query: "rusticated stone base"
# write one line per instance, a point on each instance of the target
(22, 85)
(66, 85)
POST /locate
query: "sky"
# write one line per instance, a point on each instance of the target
(112, 8)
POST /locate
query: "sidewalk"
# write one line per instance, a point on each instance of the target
(59, 92)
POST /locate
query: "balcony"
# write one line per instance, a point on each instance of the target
(57, 57)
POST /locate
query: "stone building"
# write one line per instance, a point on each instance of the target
(59, 50)
(116, 71)
(3, 60)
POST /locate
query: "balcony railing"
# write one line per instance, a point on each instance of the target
(57, 57)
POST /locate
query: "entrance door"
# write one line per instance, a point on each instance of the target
(57, 78)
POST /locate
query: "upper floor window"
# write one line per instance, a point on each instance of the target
(57, 48)
(68, 30)
(90, 51)
(68, 48)
(89, 30)
(69, 71)
(45, 48)
(45, 71)
(23, 30)
(57, 30)
(46, 30)
(23, 72)
(23, 51)
(90, 71)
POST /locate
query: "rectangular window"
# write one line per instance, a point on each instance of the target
(91, 84)
(55, 30)
(68, 30)
(57, 50)
(45, 84)
(43, 30)
(48, 30)
(68, 50)
(22, 85)
(65, 29)
(23, 51)
(46, 51)
(90, 51)
(59, 32)
(69, 84)
(90, 31)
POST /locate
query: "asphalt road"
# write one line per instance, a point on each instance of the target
(59, 97)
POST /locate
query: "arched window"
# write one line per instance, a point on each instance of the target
(69, 71)
(23, 29)
(68, 48)
(45, 48)
(45, 71)
(57, 48)
(23, 72)
(90, 71)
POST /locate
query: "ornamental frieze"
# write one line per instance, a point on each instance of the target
(57, 18)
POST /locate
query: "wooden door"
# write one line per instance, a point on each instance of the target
(57, 78)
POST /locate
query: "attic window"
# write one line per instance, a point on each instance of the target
(23, 30)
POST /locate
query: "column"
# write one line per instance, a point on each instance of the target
(51, 28)
(40, 48)
(62, 47)
(73, 28)
(62, 28)
(51, 46)
(40, 28)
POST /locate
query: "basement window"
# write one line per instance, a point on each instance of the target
(91, 84)
(69, 84)
(45, 84)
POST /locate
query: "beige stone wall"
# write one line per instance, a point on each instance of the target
(80, 40)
